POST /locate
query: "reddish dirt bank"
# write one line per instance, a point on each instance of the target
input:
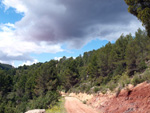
(73, 105)
(135, 100)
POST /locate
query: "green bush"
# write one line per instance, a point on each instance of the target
(124, 80)
(99, 80)
(104, 91)
(21, 108)
(96, 89)
(146, 75)
(88, 89)
(84, 102)
(58, 107)
(2, 107)
(44, 102)
(139, 78)
(136, 80)
(112, 85)
(142, 65)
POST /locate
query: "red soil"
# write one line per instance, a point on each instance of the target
(135, 100)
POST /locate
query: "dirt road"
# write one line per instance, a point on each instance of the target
(73, 105)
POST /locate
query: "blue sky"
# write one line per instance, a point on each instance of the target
(9, 15)
(94, 44)
(38, 31)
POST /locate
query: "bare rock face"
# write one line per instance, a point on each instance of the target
(130, 100)
(36, 111)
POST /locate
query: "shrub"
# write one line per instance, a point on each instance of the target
(124, 80)
(136, 80)
(118, 92)
(146, 75)
(58, 108)
(103, 91)
(96, 89)
(44, 102)
(112, 85)
(99, 80)
(21, 108)
(84, 102)
(88, 88)
(2, 107)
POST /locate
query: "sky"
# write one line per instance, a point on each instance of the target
(34, 31)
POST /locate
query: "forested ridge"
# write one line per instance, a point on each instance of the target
(38, 85)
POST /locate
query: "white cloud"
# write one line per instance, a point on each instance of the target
(57, 58)
(13, 47)
(29, 62)
(17, 4)
(75, 21)
(48, 24)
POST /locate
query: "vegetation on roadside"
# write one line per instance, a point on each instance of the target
(84, 102)
(58, 108)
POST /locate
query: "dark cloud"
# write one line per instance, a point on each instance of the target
(7, 58)
(75, 21)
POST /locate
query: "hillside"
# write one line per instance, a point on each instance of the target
(37, 86)
(5, 66)
(106, 67)
(114, 78)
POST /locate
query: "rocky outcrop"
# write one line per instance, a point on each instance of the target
(36, 111)
(129, 100)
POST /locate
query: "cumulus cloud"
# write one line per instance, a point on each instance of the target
(17, 4)
(29, 62)
(57, 58)
(13, 48)
(72, 21)
(48, 24)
